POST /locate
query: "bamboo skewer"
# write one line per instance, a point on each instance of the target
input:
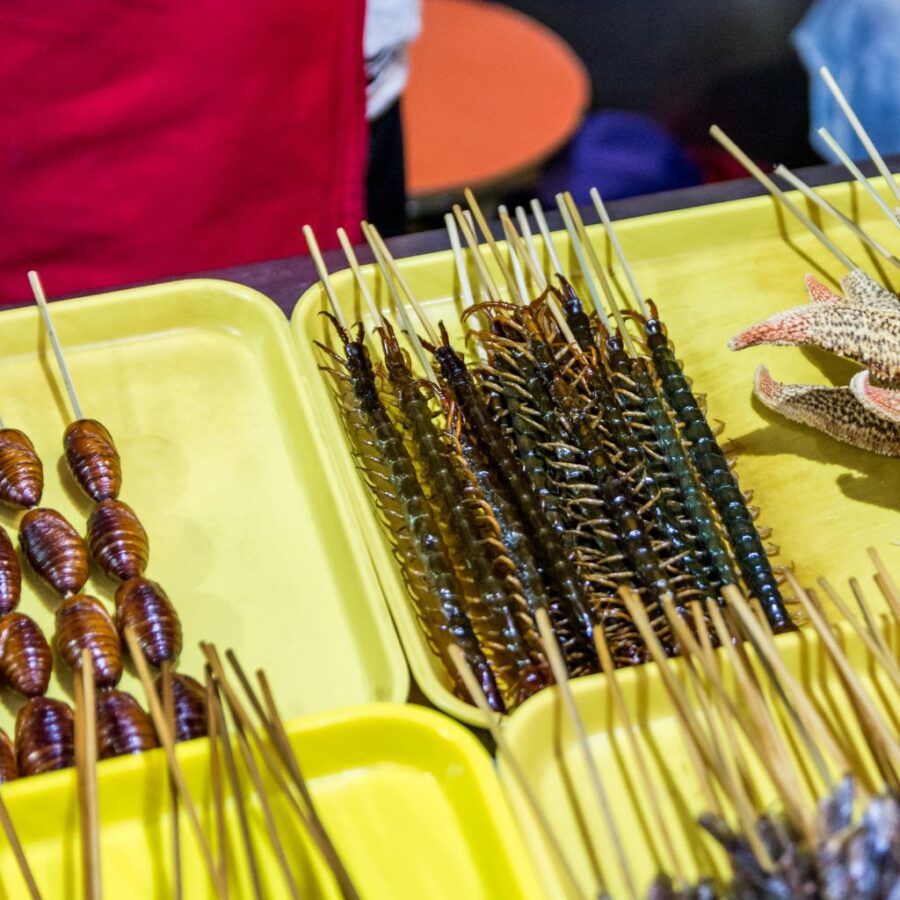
(560, 673)
(861, 132)
(855, 171)
(12, 836)
(168, 743)
(512, 763)
(513, 255)
(360, 278)
(779, 195)
(325, 281)
(620, 254)
(481, 268)
(215, 777)
(800, 185)
(511, 285)
(615, 692)
(86, 774)
(465, 285)
(169, 710)
(528, 238)
(538, 212)
(41, 299)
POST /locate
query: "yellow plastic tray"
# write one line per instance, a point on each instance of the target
(249, 532)
(713, 270)
(544, 746)
(409, 798)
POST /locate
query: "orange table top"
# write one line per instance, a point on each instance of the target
(491, 94)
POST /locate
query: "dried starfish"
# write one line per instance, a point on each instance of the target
(883, 402)
(860, 289)
(867, 334)
(834, 410)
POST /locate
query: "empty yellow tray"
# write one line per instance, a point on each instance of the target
(409, 798)
(249, 530)
(544, 746)
(713, 270)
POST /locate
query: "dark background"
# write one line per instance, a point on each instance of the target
(688, 63)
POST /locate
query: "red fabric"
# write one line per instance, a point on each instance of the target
(144, 138)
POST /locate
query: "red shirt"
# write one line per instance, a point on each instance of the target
(144, 138)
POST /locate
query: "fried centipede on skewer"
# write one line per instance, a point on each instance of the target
(145, 607)
(117, 540)
(438, 596)
(82, 623)
(455, 493)
(45, 736)
(55, 550)
(26, 661)
(122, 725)
(189, 703)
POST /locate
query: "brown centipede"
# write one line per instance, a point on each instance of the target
(93, 459)
(55, 550)
(45, 736)
(117, 540)
(82, 623)
(122, 725)
(21, 472)
(144, 606)
(25, 657)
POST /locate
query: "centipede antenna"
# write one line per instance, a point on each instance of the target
(485, 278)
(601, 275)
(243, 726)
(236, 787)
(12, 837)
(386, 264)
(492, 724)
(317, 827)
(861, 132)
(538, 212)
(779, 195)
(850, 679)
(582, 261)
(360, 278)
(324, 277)
(462, 272)
(615, 692)
(620, 253)
(215, 777)
(513, 253)
(795, 182)
(168, 742)
(561, 674)
(856, 172)
(41, 298)
(495, 249)
(169, 710)
(528, 238)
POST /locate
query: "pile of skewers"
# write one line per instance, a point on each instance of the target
(863, 325)
(754, 726)
(569, 459)
(45, 738)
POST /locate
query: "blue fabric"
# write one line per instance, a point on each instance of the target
(859, 41)
(621, 154)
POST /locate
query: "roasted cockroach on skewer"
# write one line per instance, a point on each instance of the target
(93, 459)
(143, 605)
(55, 550)
(45, 736)
(189, 703)
(21, 472)
(10, 574)
(26, 660)
(117, 540)
(82, 623)
(122, 725)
